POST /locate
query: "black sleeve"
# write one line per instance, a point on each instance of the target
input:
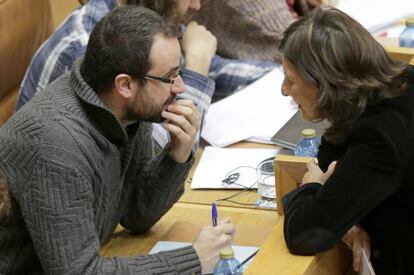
(316, 216)
(329, 152)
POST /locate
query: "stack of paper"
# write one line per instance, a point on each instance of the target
(256, 112)
(366, 266)
(216, 164)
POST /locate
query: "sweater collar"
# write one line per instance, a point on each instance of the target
(106, 122)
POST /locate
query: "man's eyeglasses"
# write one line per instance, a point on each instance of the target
(163, 79)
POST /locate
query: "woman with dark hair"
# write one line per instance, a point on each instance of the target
(362, 183)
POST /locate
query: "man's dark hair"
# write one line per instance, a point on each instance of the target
(121, 44)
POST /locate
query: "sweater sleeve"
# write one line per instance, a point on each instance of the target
(316, 216)
(57, 207)
(153, 186)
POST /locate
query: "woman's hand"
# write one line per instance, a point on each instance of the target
(315, 173)
(357, 239)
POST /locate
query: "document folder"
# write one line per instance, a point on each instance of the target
(291, 133)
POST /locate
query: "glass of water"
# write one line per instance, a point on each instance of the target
(266, 184)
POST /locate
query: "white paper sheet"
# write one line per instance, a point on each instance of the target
(216, 163)
(240, 252)
(366, 267)
(258, 111)
(375, 15)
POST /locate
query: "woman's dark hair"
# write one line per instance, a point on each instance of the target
(349, 67)
(121, 44)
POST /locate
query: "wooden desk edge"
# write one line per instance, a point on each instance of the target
(275, 258)
(396, 52)
(289, 171)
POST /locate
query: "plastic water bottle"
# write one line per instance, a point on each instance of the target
(407, 36)
(308, 146)
(227, 265)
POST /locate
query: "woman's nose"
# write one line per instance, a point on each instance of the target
(284, 89)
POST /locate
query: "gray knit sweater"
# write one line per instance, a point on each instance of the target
(74, 173)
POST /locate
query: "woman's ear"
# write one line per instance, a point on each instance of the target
(124, 85)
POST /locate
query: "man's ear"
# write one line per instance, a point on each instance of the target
(124, 85)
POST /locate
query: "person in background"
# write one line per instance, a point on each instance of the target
(251, 30)
(203, 72)
(361, 188)
(78, 159)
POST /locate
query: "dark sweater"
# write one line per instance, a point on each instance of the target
(74, 173)
(372, 186)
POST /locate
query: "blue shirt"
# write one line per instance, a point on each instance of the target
(58, 53)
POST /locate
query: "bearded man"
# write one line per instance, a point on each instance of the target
(78, 159)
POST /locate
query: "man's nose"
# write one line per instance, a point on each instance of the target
(178, 86)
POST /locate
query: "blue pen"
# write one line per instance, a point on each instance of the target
(214, 213)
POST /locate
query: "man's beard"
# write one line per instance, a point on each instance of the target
(154, 116)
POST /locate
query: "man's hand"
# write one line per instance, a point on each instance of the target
(357, 239)
(199, 46)
(183, 123)
(315, 174)
(210, 241)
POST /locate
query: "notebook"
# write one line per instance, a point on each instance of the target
(291, 133)
(241, 253)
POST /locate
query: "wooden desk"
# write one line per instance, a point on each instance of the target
(274, 258)
(289, 171)
(206, 197)
(254, 227)
(396, 52)
(182, 224)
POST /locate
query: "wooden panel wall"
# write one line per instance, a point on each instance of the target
(61, 8)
